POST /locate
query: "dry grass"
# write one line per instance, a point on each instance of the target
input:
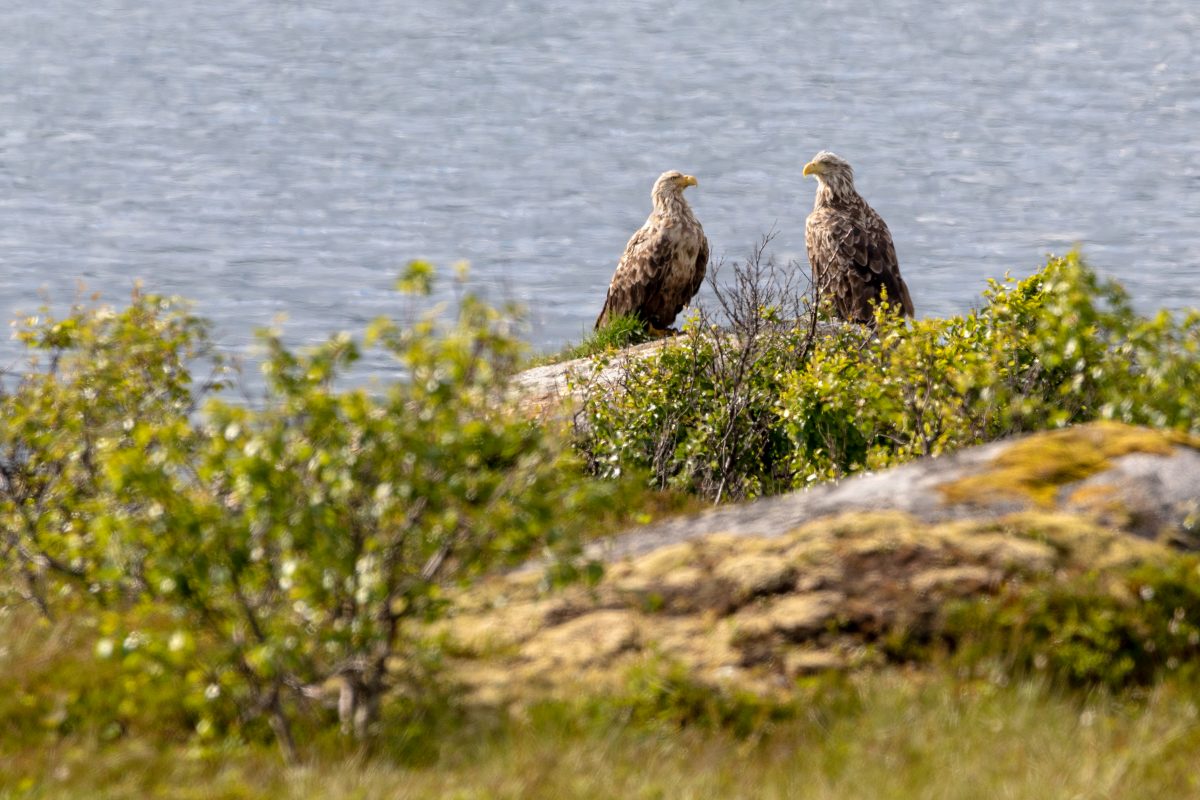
(889, 735)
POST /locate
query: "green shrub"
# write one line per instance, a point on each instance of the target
(283, 557)
(699, 414)
(99, 385)
(1113, 632)
(242, 569)
(783, 400)
(662, 695)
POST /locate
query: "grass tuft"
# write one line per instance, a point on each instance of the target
(619, 333)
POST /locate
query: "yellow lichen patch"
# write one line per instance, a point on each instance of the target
(590, 640)
(754, 574)
(491, 633)
(857, 535)
(957, 581)
(1183, 438)
(1101, 497)
(695, 642)
(718, 546)
(815, 542)
(665, 560)
(796, 617)
(984, 542)
(1102, 502)
(1082, 544)
(1035, 468)
(854, 525)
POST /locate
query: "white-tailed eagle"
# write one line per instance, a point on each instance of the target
(849, 246)
(664, 262)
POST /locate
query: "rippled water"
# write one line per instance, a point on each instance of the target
(276, 156)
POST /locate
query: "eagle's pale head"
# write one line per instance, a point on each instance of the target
(673, 181)
(832, 172)
(668, 191)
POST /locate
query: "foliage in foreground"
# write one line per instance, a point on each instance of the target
(1114, 631)
(231, 570)
(255, 564)
(888, 735)
(780, 402)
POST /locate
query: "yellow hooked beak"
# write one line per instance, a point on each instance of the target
(812, 168)
(688, 180)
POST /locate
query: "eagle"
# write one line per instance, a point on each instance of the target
(849, 246)
(664, 262)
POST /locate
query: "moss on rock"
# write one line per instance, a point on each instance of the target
(1036, 468)
(757, 612)
(757, 601)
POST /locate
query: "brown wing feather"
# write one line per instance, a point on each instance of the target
(681, 273)
(883, 268)
(854, 260)
(638, 276)
(820, 252)
(701, 269)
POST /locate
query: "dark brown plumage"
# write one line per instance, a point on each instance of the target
(664, 262)
(849, 246)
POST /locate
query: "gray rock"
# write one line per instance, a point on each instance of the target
(1158, 495)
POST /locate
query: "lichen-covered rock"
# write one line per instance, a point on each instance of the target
(1038, 468)
(756, 618)
(1152, 495)
(754, 574)
(1155, 475)
(758, 595)
(796, 618)
(590, 640)
(552, 388)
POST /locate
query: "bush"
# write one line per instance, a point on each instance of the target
(275, 556)
(1116, 632)
(660, 694)
(279, 559)
(99, 385)
(782, 400)
(700, 414)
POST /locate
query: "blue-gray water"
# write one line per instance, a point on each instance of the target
(285, 156)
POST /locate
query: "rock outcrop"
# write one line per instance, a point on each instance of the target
(549, 389)
(1143, 481)
(545, 390)
(756, 595)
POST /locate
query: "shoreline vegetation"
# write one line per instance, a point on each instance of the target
(200, 599)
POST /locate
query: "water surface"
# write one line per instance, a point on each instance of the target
(268, 157)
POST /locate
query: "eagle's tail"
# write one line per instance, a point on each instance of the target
(600, 320)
